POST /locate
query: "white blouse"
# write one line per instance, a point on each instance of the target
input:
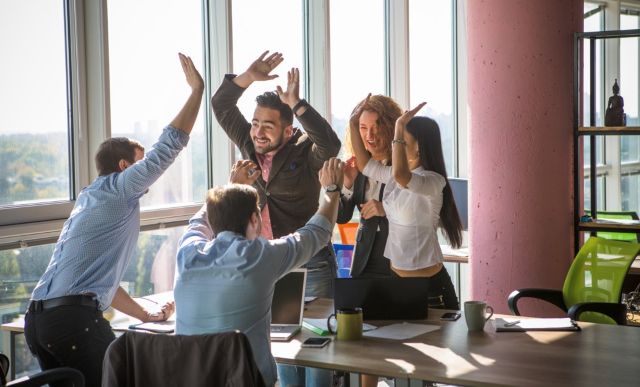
(413, 214)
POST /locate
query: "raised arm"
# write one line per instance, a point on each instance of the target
(400, 164)
(326, 143)
(186, 118)
(136, 179)
(224, 101)
(259, 70)
(359, 150)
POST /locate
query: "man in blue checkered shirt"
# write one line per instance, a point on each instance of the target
(64, 325)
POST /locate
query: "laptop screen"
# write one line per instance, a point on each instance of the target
(288, 299)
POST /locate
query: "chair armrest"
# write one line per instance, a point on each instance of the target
(552, 296)
(71, 375)
(617, 312)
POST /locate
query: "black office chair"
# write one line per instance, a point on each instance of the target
(71, 376)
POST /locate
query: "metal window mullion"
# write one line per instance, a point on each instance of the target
(317, 54)
(218, 62)
(397, 66)
(611, 144)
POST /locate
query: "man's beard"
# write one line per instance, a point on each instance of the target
(271, 147)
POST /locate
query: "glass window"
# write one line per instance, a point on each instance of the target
(251, 37)
(153, 265)
(630, 192)
(148, 88)
(356, 68)
(431, 36)
(20, 270)
(629, 55)
(587, 193)
(591, 24)
(34, 126)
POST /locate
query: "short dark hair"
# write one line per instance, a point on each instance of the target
(114, 149)
(271, 100)
(229, 208)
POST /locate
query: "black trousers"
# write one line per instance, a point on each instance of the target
(442, 294)
(70, 336)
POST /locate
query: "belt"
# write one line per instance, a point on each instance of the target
(79, 300)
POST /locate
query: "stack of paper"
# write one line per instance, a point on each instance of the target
(535, 324)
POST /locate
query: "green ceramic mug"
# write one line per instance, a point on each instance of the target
(349, 324)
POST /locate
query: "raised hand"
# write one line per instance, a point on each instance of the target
(292, 95)
(260, 68)
(331, 173)
(350, 172)
(357, 111)
(193, 76)
(244, 172)
(401, 122)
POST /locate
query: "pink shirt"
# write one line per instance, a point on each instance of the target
(266, 161)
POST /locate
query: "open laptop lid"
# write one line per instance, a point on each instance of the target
(384, 298)
(287, 305)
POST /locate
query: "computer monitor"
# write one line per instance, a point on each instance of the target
(460, 188)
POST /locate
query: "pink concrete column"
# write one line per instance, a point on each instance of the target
(520, 64)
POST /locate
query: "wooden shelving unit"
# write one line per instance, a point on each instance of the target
(608, 130)
(590, 132)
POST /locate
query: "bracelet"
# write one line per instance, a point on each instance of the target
(403, 142)
(300, 104)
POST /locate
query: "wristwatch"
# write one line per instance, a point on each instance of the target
(332, 188)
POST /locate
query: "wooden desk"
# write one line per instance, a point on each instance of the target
(599, 355)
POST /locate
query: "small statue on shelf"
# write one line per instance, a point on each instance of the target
(614, 116)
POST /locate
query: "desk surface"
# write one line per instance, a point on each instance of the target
(598, 355)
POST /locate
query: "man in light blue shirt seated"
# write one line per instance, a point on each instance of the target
(64, 325)
(226, 271)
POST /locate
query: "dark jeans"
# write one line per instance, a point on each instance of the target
(442, 294)
(322, 269)
(70, 336)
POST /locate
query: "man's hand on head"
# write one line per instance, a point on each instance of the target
(244, 172)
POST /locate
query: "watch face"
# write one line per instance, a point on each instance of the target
(331, 188)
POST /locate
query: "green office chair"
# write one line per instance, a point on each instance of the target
(592, 288)
(618, 236)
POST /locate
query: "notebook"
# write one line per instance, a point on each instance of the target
(384, 298)
(288, 305)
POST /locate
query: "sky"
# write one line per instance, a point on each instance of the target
(146, 81)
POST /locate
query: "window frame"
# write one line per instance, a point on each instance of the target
(89, 107)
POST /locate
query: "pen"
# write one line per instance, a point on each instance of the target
(512, 323)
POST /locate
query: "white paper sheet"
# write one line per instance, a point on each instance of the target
(401, 331)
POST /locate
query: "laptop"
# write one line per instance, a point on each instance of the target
(287, 306)
(383, 298)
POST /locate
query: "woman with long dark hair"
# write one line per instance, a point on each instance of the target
(417, 200)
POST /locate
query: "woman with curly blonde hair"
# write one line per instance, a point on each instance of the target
(374, 119)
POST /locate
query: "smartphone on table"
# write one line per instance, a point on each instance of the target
(316, 342)
(450, 316)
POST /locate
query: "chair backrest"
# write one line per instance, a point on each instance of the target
(142, 359)
(619, 236)
(597, 274)
(348, 233)
(71, 377)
